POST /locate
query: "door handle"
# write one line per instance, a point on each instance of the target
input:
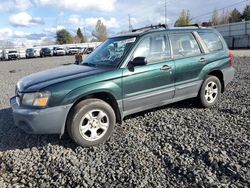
(165, 68)
(203, 59)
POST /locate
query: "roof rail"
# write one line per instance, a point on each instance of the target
(151, 27)
(191, 25)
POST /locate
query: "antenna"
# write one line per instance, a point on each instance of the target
(129, 23)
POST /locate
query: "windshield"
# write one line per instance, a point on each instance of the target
(29, 50)
(12, 51)
(110, 53)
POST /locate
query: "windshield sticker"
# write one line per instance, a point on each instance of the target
(131, 40)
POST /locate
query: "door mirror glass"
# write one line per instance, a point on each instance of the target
(139, 61)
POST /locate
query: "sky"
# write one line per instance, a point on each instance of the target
(30, 22)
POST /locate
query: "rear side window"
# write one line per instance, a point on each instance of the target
(154, 48)
(212, 41)
(184, 45)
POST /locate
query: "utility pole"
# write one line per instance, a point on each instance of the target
(166, 13)
(129, 23)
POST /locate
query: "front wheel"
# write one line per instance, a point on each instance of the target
(91, 122)
(210, 91)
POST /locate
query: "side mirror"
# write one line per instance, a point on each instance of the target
(139, 61)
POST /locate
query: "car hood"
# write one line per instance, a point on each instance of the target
(37, 81)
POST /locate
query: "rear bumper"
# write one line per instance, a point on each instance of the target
(40, 121)
(228, 75)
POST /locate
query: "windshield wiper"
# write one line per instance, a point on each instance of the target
(89, 64)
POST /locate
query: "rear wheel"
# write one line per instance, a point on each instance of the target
(210, 91)
(91, 122)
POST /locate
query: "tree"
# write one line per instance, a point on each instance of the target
(225, 17)
(80, 36)
(184, 19)
(246, 13)
(215, 17)
(235, 16)
(63, 37)
(76, 39)
(100, 31)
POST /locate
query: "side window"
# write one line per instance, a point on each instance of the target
(143, 48)
(184, 45)
(212, 41)
(154, 48)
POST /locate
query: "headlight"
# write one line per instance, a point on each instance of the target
(39, 99)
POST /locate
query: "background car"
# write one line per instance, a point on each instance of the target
(1, 55)
(73, 50)
(59, 51)
(30, 52)
(89, 50)
(45, 52)
(80, 56)
(9, 54)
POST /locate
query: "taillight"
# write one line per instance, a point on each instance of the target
(231, 60)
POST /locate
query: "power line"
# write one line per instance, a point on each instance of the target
(209, 13)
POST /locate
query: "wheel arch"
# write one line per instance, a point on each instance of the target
(106, 97)
(219, 75)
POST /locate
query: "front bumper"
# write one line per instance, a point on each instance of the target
(40, 121)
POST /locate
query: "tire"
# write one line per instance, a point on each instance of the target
(87, 115)
(210, 91)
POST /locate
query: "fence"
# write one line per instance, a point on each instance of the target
(237, 35)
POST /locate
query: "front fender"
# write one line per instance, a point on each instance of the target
(110, 87)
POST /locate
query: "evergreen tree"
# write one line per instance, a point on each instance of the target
(235, 16)
(246, 13)
(80, 35)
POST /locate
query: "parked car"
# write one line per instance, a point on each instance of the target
(73, 50)
(44, 52)
(88, 50)
(10, 54)
(59, 51)
(128, 73)
(1, 55)
(80, 56)
(30, 52)
(54, 51)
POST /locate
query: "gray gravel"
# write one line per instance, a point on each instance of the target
(178, 145)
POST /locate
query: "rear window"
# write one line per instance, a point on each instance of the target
(212, 41)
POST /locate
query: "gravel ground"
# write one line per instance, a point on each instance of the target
(178, 145)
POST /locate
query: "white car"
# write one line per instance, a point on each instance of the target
(59, 51)
(73, 50)
(9, 54)
(1, 54)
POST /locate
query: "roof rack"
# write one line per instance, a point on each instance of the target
(151, 27)
(191, 25)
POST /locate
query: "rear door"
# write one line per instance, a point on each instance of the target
(189, 61)
(149, 85)
(216, 47)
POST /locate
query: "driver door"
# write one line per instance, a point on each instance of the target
(149, 85)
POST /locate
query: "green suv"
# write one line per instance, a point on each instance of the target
(128, 73)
